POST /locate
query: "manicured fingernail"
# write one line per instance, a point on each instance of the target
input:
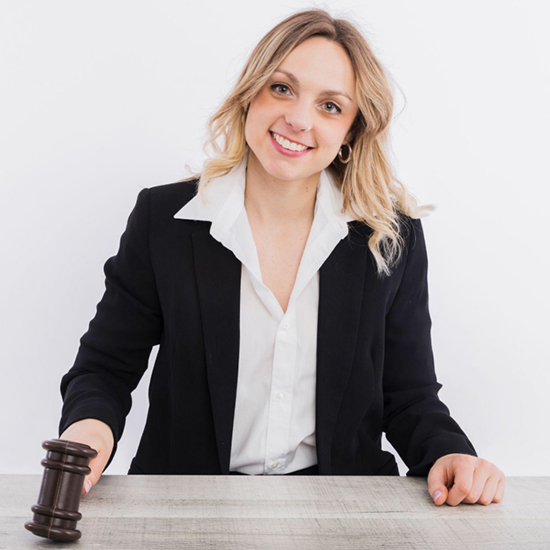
(88, 486)
(437, 494)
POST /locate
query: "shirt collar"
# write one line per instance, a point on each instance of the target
(224, 200)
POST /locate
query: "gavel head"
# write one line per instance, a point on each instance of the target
(65, 468)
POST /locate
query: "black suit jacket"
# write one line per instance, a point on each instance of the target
(171, 283)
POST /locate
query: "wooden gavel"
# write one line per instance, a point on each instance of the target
(65, 469)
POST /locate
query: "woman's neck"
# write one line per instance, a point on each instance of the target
(277, 203)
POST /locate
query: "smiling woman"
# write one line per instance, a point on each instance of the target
(286, 285)
(301, 115)
(313, 96)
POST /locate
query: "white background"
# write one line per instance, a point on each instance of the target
(101, 99)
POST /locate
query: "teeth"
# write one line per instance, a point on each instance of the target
(286, 144)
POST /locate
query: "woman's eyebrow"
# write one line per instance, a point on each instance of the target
(297, 83)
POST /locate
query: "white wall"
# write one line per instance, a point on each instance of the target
(99, 100)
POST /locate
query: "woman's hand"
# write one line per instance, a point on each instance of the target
(469, 478)
(97, 435)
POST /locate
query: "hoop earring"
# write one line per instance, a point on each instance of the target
(348, 158)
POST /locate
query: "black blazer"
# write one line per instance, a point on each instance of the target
(171, 283)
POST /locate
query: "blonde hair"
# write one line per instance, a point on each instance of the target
(370, 190)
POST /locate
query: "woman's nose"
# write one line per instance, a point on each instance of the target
(298, 119)
(299, 125)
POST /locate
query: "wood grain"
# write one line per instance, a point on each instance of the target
(287, 512)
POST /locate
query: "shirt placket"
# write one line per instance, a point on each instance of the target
(281, 395)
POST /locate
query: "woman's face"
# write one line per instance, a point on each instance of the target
(298, 107)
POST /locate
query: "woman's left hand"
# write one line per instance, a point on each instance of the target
(469, 478)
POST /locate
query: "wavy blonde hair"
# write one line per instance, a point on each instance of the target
(370, 190)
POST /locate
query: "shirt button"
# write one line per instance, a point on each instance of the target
(285, 326)
(280, 396)
(274, 465)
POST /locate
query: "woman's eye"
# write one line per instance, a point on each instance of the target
(278, 86)
(334, 105)
(330, 111)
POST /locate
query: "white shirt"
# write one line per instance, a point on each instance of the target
(274, 423)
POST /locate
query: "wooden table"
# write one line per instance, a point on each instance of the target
(282, 512)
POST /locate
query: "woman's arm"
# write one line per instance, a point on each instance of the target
(114, 352)
(416, 422)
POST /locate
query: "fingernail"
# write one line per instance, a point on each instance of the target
(88, 486)
(437, 494)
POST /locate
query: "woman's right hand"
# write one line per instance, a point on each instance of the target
(97, 435)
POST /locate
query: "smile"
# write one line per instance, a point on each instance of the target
(287, 147)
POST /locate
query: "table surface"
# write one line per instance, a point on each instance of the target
(283, 512)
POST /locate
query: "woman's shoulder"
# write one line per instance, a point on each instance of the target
(168, 198)
(176, 190)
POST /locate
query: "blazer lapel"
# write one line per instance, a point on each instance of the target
(341, 285)
(219, 284)
(342, 280)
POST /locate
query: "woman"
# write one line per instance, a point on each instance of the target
(287, 287)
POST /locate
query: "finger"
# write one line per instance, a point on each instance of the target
(499, 495)
(463, 478)
(86, 486)
(96, 466)
(480, 478)
(437, 480)
(489, 490)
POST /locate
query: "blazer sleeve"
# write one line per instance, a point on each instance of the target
(114, 352)
(416, 422)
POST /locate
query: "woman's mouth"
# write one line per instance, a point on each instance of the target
(280, 146)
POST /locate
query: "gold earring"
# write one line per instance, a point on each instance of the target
(348, 158)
